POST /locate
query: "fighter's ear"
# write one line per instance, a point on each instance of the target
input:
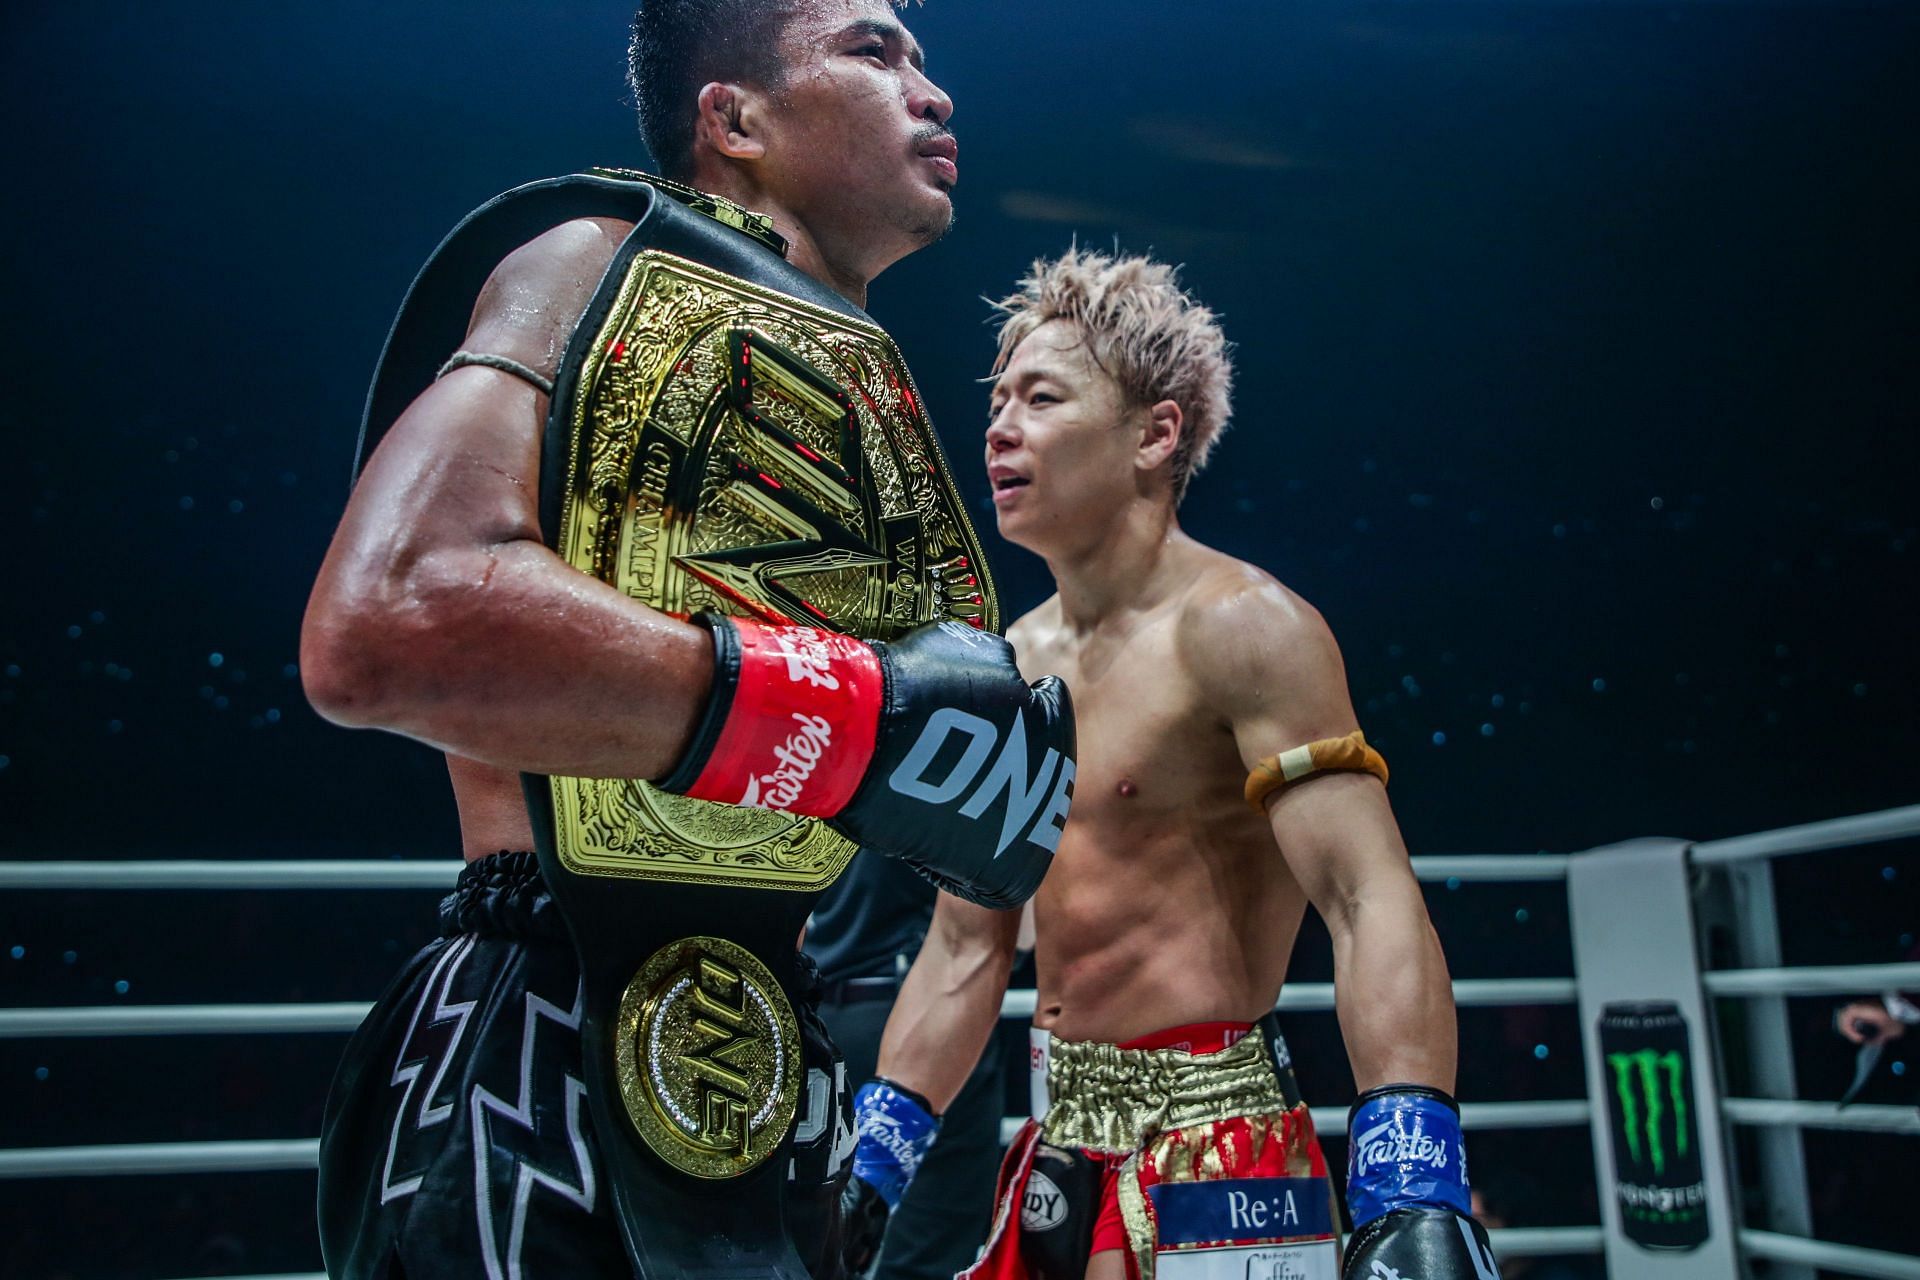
(725, 121)
(1160, 435)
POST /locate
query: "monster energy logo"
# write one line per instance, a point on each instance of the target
(1659, 1182)
(1645, 1099)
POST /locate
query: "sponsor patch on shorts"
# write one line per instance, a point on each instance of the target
(1044, 1206)
(1313, 1261)
(1241, 1210)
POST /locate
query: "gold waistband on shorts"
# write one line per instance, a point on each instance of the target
(1106, 1098)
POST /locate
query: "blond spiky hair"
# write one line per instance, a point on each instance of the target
(1145, 331)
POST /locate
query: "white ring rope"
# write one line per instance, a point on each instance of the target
(253, 1156)
(1811, 980)
(160, 1157)
(439, 873)
(181, 1020)
(344, 1016)
(1467, 993)
(1836, 833)
(1781, 1112)
(291, 873)
(1847, 1258)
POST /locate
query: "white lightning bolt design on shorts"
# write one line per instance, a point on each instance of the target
(416, 1054)
(528, 1137)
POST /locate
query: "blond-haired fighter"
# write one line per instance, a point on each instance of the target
(1223, 785)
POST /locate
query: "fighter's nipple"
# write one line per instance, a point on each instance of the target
(1126, 789)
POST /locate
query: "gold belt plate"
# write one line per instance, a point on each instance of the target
(739, 450)
(708, 1055)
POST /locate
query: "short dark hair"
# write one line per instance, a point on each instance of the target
(680, 45)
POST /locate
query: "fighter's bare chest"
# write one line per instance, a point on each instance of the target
(1148, 745)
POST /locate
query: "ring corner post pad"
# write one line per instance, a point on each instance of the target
(1659, 1142)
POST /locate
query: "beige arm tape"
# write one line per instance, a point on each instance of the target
(1289, 767)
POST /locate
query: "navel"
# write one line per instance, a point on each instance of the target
(1126, 789)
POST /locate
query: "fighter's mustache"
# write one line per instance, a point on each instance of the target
(936, 139)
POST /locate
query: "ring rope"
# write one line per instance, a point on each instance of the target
(1812, 980)
(291, 873)
(1850, 1259)
(256, 1156)
(344, 1016)
(1813, 837)
(181, 1020)
(1858, 1117)
(439, 873)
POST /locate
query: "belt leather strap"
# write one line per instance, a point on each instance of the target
(675, 1224)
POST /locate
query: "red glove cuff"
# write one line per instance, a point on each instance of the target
(801, 729)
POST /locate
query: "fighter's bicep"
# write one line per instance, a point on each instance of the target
(1338, 836)
(463, 460)
(1273, 672)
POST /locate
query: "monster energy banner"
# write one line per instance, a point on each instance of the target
(1657, 1181)
(1657, 1140)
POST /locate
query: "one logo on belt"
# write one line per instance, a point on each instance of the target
(708, 1057)
(1659, 1181)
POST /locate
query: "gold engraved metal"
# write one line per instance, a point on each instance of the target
(740, 450)
(707, 1052)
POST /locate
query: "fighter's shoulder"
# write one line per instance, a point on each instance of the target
(1242, 630)
(1033, 634)
(1032, 631)
(572, 254)
(533, 297)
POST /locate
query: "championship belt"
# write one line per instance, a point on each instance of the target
(725, 433)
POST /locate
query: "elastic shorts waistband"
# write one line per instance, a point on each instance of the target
(502, 896)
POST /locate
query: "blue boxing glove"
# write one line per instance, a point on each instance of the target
(895, 1127)
(1407, 1189)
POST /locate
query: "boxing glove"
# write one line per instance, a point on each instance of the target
(930, 748)
(894, 1129)
(1407, 1190)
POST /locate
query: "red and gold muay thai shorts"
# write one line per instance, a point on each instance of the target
(1189, 1150)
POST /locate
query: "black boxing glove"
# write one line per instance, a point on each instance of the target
(930, 748)
(1433, 1244)
(863, 1225)
(1407, 1190)
(894, 1129)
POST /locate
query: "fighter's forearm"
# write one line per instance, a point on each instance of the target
(1392, 991)
(945, 1014)
(506, 655)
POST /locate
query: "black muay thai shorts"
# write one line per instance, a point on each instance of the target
(457, 1140)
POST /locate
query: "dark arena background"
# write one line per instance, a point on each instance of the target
(1577, 375)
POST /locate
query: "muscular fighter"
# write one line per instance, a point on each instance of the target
(1224, 785)
(712, 324)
